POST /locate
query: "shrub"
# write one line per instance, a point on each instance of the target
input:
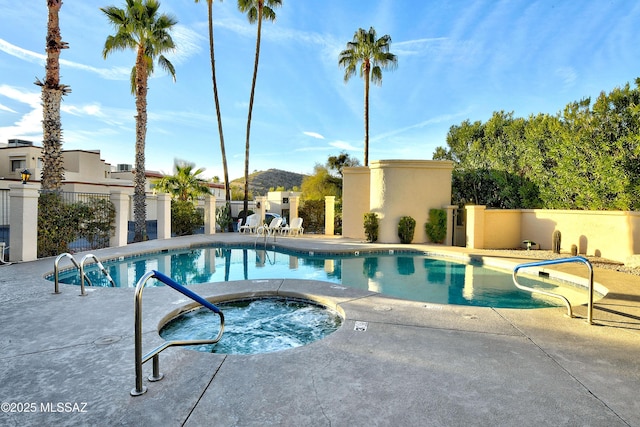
(436, 227)
(185, 218)
(406, 228)
(312, 214)
(371, 226)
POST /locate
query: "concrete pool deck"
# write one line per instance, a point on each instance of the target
(68, 360)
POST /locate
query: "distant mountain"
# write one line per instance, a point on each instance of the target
(261, 182)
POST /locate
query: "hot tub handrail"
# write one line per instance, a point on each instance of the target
(100, 267)
(554, 295)
(154, 354)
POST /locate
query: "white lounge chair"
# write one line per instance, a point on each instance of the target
(251, 225)
(295, 229)
(272, 228)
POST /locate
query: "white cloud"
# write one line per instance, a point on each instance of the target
(187, 44)
(568, 76)
(342, 145)
(29, 125)
(314, 135)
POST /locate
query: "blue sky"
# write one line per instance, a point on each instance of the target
(457, 60)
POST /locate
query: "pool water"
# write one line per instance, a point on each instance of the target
(262, 325)
(413, 276)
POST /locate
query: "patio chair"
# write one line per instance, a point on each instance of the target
(295, 229)
(251, 225)
(272, 228)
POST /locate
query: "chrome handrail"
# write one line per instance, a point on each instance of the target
(56, 270)
(551, 294)
(154, 354)
(83, 276)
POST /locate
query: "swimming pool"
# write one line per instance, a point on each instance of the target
(409, 275)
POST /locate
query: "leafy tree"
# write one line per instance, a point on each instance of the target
(140, 27)
(341, 161)
(256, 11)
(185, 184)
(370, 55)
(216, 101)
(320, 184)
(52, 93)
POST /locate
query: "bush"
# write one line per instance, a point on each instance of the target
(406, 228)
(371, 226)
(436, 227)
(312, 214)
(61, 223)
(185, 218)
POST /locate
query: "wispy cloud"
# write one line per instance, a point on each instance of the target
(343, 145)
(313, 135)
(187, 44)
(567, 75)
(419, 46)
(28, 125)
(116, 73)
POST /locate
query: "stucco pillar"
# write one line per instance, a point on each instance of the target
(294, 203)
(209, 214)
(451, 224)
(164, 216)
(120, 201)
(261, 207)
(329, 215)
(475, 226)
(23, 239)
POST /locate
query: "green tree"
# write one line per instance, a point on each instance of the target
(370, 55)
(227, 191)
(185, 184)
(256, 11)
(140, 27)
(320, 184)
(52, 93)
(341, 161)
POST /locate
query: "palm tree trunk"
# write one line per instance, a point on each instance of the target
(217, 103)
(366, 117)
(52, 92)
(139, 179)
(253, 88)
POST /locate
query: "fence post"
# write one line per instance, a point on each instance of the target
(23, 220)
(329, 215)
(210, 214)
(164, 216)
(120, 201)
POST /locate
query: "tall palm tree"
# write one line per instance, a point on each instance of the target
(217, 102)
(372, 55)
(256, 11)
(185, 184)
(141, 28)
(52, 93)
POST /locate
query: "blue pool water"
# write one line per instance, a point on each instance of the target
(254, 326)
(412, 276)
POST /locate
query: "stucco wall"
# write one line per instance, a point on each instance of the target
(611, 234)
(408, 187)
(355, 201)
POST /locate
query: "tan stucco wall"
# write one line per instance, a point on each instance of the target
(502, 228)
(408, 188)
(355, 201)
(611, 234)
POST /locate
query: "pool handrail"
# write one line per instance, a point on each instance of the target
(100, 266)
(554, 295)
(56, 270)
(154, 354)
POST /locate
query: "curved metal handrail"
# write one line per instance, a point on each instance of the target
(83, 276)
(56, 270)
(153, 354)
(551, 294)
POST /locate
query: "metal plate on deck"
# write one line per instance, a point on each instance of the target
(361, 326)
